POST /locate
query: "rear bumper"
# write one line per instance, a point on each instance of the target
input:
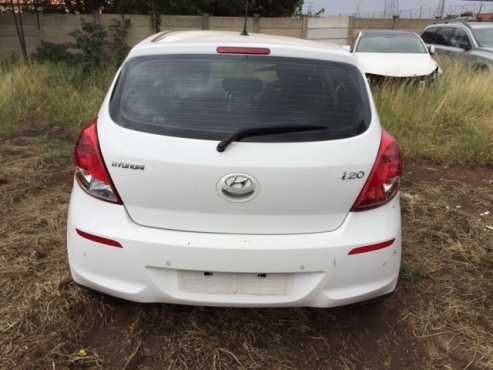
(157, 265)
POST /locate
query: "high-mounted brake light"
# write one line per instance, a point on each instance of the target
(242, 50)
(90, 170)
(383, 184)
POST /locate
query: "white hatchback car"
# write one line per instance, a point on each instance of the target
(232, 170)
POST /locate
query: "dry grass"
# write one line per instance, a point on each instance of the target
(37, 304)
(440, 316)
(448, 236)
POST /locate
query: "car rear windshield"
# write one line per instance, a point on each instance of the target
(405, 44)
(213, 96)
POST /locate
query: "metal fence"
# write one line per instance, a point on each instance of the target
(430, 12)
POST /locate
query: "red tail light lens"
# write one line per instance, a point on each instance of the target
(90, 170)
(384, 181)
(242, 50)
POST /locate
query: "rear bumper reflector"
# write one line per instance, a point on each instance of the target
(371, 248)
(99, 239)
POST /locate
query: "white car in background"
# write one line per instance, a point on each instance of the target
(396, 55)
(232, 170)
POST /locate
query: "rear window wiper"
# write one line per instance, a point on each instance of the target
(257, 131)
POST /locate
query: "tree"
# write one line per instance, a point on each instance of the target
(266, 8)
(19, 27)
(84, 6)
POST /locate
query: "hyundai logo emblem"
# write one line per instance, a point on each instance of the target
(237, 187)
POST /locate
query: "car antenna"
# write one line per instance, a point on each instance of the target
(245, 23)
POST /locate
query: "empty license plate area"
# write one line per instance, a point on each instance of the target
(234, 283)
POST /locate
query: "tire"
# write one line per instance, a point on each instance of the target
(481, 68)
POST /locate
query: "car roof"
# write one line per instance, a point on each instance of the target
(386, 33)
(228, 37)
(207, 42)
(463, 24)
(480, 24)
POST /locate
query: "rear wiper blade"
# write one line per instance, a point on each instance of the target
(269, 130)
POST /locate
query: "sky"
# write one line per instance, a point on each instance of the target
(346, 7)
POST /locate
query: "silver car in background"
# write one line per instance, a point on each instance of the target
(469, 42)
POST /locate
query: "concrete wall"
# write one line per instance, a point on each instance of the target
(141, 26)
(414, 25)
(328, 29)
(57, 27)
(292, 27)
(9, 43)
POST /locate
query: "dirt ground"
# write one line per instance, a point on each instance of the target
(441, 316)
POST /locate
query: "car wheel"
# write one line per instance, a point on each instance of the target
(481, 68)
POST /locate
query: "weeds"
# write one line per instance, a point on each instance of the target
(35, 98)
(410, 274)
(90, 40)
(94, 45)
(118, 46)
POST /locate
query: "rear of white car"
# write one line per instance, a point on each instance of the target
(236, 170)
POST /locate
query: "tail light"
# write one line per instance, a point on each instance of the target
(384, 181)
(90, 170)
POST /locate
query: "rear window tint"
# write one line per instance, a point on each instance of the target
(429, 35)
(386, 43)
(212, 96)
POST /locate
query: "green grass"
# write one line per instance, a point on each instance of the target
(410, 274)
(38, 97)
(450, 122)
